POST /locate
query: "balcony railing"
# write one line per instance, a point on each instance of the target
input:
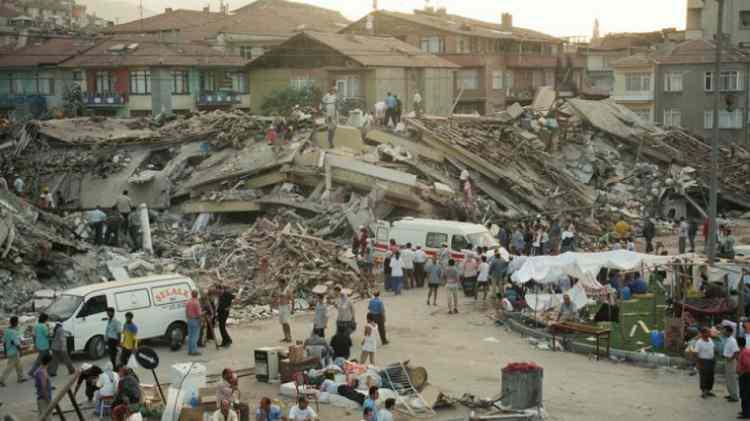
(635, 96)
(207, 99)
(106, 100)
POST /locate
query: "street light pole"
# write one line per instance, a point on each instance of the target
(714, 188)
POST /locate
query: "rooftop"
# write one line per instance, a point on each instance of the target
(50, 52)
(179, 19)
(697, 51)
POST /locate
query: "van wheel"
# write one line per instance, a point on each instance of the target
(96, 347)
(176, 334)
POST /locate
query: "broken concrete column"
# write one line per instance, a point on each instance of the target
(146, 227)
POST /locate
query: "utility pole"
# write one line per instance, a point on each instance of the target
(714, 188)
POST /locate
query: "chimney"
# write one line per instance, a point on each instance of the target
(168, 10)
(506, 22)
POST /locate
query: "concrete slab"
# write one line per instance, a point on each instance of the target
(345, 137)
(423, 151)
(204, 206)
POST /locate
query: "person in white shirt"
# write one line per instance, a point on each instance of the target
(420, 258)
(302, 412)
(730, 352)
(107, 384)
(386, 414)
(225, 413)
(483, 279)
(397, 272)
(407, 257)
(704, 350)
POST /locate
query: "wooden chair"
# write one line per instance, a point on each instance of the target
(303, 388)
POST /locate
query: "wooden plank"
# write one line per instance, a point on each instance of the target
(221, 207)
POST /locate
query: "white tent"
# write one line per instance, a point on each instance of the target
(584, 266)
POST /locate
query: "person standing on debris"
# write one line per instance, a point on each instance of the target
(41, 342)
(222, 314)
(376, 309)
(13, 352)
(649, 232)
(692, 233)
(682, 235)
(417, 102)
(705, 362)
(519, 244)
(398, 110)
(345, 320)
(285, 300)
(129, 339)
(112, 335)
(113, 223)
(134, 231)
(420, 258)
(355, 244)
(397, 272)
(46, 201)
(407, 259)
(622, 229)
(328, 104)
(19, 186)
(555, 234)
(730, 352)
(452, 285)
(193, 314)
(96, 218)
(364, 236)
(124, 205)
(434, 279)
(59, 349)
(320, 322)
(390, 110)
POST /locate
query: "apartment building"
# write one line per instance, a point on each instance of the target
(702, 15)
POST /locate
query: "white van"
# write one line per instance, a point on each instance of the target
(431, 234)
(157, 303)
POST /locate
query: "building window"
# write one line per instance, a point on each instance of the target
(497, 79)
(637, 82)
(729, 81)
(301, 82)
(140, 82)
(246, 52)
(239, 82)
(672, 118)
(347, 86)
(208, 82)
(727, 119)
(77, 76)
(673, 82)
(180, 82)
(745, 18)
(434, 45)
(468, 79)
(462, 45)
(537, 78)
(104, 82)
(508, 80)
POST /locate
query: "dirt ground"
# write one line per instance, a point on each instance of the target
(460, 358)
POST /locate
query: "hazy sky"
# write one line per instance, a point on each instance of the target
(556, 17)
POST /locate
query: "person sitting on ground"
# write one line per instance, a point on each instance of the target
(226, 390)
(128, 387)
(386, 414)
(302, 411)
(317, 346)
(268, 412)
(568, 311)
(225, 412)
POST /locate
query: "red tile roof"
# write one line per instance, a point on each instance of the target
(51, 52)
(180, 19)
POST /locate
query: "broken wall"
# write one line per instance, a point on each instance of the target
(437, 95)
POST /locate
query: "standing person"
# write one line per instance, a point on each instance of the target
(124, 205)
(704, 348)
(113, 224)
(129, 339)
(59, 349)
(370, 341)
(682, 235)
(692, 233)
(498, 270)
(193, 313)
(469, 270)
(390, 110)
(345, 321)
(134, 231)
(208, 318)
(43, 384)
(355, 244)
(434, 278)
(112, 335)
(376, 309)
(444, 256)
(96, 218)
(380, 113)
(399, 109)
(555, 234)
(13, 352)
(730, 353)
(285, 299)
(743, 372)
(329, 107)
(417, 102)
(452, 286)
(46, 201)
(397, 272)
(41, 342)
(222, 314)
(19, 186)
(364, 240)
(407, 260)
(320, 322)
(519, 244)
(483, 278)
(649, 232)
(420, 258)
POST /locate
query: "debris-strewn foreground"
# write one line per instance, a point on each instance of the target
(231, 204)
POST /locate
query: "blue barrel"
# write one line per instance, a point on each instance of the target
(626, 294)
(657, 339)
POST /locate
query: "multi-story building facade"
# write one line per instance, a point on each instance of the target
(500, 63)
(702, 18)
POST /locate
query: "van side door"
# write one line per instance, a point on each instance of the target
(138, 302)
(91, 319)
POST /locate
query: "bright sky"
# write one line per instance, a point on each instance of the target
(555, 17)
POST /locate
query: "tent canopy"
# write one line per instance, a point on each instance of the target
(584, 266)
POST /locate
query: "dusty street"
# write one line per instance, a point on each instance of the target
(459, 360)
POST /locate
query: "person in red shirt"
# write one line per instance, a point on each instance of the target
(743, 371)
(193, 314)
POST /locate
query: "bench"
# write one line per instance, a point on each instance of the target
(563, 328)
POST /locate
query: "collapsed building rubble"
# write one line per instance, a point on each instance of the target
(236, 207)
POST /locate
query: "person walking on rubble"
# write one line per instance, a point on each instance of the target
(417, 103)
(649, 232)
(222, 314)
(285, 299)
(96, 218)
(390, 110)
(124, 205)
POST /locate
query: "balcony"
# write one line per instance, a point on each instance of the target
(634, 96)
(219, 99)
(105, 100)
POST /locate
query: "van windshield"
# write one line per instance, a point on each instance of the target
(483, 239)
(63, 307)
